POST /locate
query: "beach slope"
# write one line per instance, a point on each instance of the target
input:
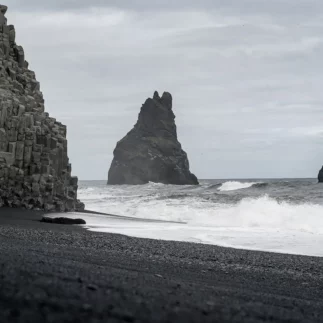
(57, 273)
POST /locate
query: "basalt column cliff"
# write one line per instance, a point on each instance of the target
(34, 166)
(150, 152)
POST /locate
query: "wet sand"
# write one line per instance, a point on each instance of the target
(57, 273)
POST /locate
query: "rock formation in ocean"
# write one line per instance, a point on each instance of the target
(34, 166)
(150, 152)
(320, 175)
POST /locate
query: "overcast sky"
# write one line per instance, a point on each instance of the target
(245, 75)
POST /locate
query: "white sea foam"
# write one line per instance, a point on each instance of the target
(260, 223)
(263, 212)
(234, 185)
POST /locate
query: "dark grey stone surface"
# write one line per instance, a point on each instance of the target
(320, 175)
(150, 152)
(34, 167)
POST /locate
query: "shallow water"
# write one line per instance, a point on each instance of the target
(284, 215)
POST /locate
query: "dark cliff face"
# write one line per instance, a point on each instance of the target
(34, 167)
(150, 152)
(320, 175)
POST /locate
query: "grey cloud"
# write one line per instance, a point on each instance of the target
(275, 7)
(238, 71)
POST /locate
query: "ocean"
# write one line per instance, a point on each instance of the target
(278, 215)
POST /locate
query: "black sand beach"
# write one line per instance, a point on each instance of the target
(56, 273)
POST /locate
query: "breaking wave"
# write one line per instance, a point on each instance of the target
(232, 185)
(274, 216)
(250, 212)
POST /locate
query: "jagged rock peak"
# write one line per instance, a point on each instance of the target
(3, 9)
(156, 96)
(3, 19)
(165, 100)
(34, 167)
(150, 152)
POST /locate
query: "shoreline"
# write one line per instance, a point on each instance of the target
(53, 272)
(31, 218)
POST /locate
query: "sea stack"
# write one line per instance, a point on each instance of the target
(320, 175)
(34, 167)
(150, 152)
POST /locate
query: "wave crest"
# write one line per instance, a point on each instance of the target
(234, 185)
(287, 219)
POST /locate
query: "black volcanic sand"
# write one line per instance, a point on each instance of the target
(56, 273)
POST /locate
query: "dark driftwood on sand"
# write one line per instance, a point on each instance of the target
(62, 220)
(57, 273)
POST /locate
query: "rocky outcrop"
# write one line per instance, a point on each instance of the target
(150, 152)
(320, 175)
(34, 167)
